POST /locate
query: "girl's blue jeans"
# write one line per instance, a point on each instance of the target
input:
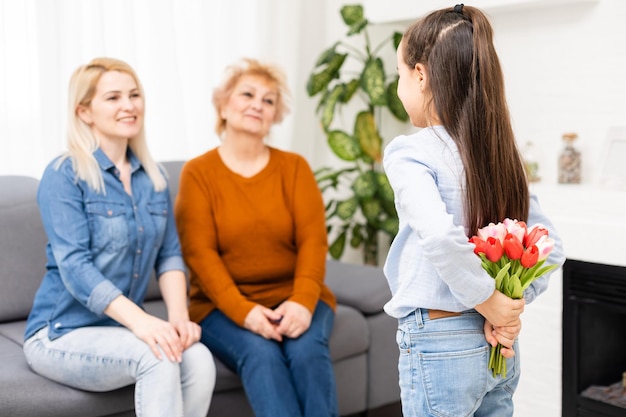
(443, 368)
(106, 358)
(291, 378)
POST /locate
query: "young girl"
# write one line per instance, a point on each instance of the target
(460, 172)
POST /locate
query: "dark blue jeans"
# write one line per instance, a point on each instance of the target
(290, 378)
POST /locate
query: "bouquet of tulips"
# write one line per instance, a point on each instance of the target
(514, 255)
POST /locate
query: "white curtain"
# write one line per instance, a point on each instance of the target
(179, 48)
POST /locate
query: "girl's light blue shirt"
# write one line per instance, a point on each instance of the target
(430, 263)
(100, 245)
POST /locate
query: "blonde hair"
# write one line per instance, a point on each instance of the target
(249, 66)
(82, 143)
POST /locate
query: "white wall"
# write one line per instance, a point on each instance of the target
(564, 69)
(564, 66)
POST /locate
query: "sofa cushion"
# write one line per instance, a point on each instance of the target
(18, 383)
(22, 246)
(360, 286)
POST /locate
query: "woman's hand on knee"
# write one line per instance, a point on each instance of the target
(296, 319)
(264, 322)
(160, 334)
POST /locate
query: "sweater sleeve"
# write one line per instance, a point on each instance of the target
(311, 239)
(198, 236)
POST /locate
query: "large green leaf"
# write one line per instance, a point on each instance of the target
(364, 186)
(326, 56)
(373, 81)
(357, 27)
(397, 38)
(367, 135)
(371, 209)
(336, 248)
(357, 237)
(344, 145)
(347, 208)
(393, 102)
(390, 226)
(320, 80)
(389, 207)
(384, 187)
(329, 106)
(351, 88)
(352, 14)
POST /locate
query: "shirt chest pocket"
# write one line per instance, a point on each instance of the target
(158, 213)
(108, 226)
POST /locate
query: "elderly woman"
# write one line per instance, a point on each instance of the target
(252, 228)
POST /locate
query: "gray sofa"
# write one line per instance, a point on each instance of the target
(362, 344)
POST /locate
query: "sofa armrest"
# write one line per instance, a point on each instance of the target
(362, 287)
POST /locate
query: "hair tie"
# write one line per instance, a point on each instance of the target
(458, 8)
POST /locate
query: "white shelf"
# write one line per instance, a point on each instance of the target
(393, 11)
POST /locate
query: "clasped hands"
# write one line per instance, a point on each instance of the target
(502, 321)
(289, 319)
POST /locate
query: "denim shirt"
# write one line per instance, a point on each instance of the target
(430, 263)
(100, 245)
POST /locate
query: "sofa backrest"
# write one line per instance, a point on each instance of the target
(22, 246)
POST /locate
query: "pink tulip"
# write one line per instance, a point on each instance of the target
(515, 228)
(530, 257)
(533, 235)
(544, 246)
(493, 249)
(497, 231)
(480, 245)
(513, 246)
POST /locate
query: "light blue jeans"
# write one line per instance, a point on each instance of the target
(443, 368)
(106, 358)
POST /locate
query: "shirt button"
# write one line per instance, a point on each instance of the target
(135, 208)
(138, 251)
(109, 213)
(140, 230)
(135, 275)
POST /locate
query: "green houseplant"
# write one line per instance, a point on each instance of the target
(359, 199)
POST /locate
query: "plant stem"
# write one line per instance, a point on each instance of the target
(370, 246)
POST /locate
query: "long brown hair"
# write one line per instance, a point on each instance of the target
(455, 46)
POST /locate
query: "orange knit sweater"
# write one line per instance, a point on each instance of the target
(247, 241)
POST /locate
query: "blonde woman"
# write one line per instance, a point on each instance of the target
(106, 211)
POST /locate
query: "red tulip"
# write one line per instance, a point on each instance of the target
(534, 234)
(513, 246)
(480, 245)
(530, 257)
(493, 249)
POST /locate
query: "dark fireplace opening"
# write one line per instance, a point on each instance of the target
(594, 340)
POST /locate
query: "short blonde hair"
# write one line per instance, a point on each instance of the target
(82, 143)
(249, 66)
